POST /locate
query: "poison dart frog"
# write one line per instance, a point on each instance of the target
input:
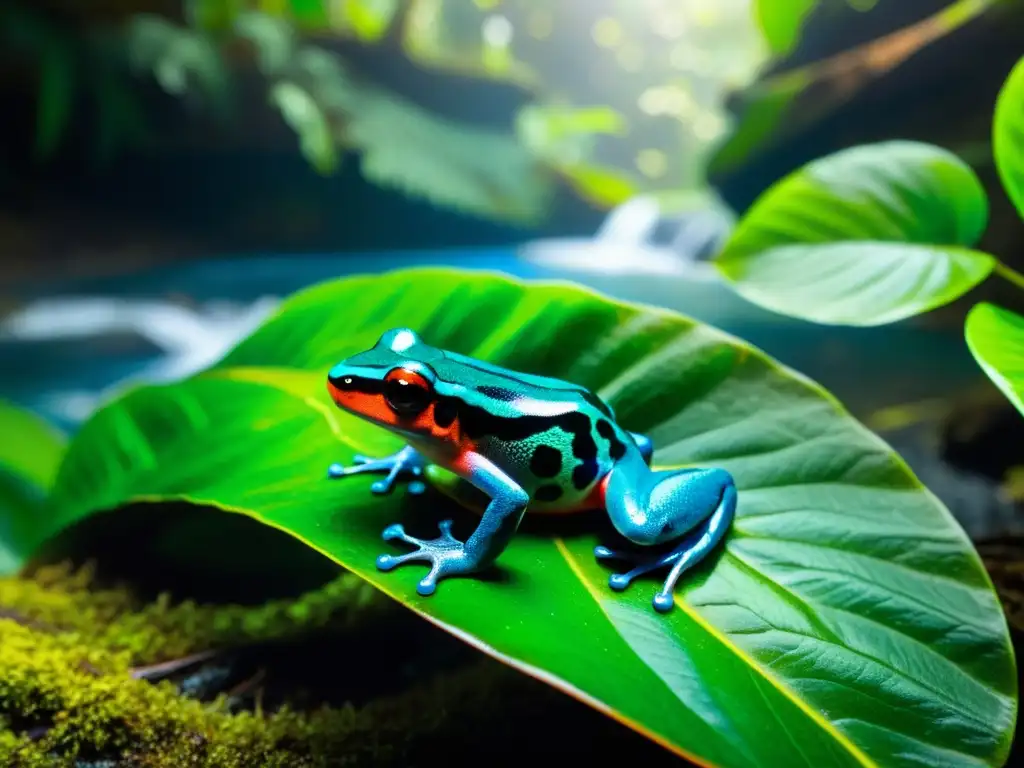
(523, 440)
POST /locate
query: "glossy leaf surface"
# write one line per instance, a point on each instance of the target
(1008, 135)
(995, 337)
(845, 617)
(866, 236)
(30, 451)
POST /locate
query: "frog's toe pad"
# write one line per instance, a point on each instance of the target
(336, 470)
(386, 562)
(663, 602)
(619, 581)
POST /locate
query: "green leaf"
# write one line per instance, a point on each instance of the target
(865, 236)
(468, 168)
(995, 337)
(30, 451)
(180, 59)
(370, 19)
(846, 616)
(781, 22)
(305, 117)
(31, 447)
(274, 39)
(56, 96)
(1008, 135)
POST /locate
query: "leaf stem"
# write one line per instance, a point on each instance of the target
(1010, 275)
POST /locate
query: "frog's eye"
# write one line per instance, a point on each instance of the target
(407, 392)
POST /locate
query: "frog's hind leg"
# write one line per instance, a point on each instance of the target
(651, 508)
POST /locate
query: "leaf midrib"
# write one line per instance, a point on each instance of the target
(757, 669)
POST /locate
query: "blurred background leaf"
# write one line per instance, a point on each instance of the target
(662, 70)
(30, 452)
(304, 115)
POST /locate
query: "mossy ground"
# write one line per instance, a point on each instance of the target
(93, 678)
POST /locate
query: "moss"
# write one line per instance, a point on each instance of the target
(69, 698)
(81, 702)
(62, 600)
(65, 704)
(68, 695)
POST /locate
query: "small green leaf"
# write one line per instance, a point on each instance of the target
(469, 168)
(274, 39)
(179, 59)
(845, 616)
(1008, 135)
(30, 447)
(781, 22)
(309, 13)
(57, 87)
(995, 337)
(30, 451)
(305, 117)
(866, 236)
(370, 19)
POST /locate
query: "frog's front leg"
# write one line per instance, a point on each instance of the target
(447, 555)
(407, 461)
(693, 506)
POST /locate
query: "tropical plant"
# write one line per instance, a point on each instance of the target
(846, 614)
(656, 113)
(879, 233)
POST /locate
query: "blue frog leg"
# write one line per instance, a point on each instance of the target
(447, 555)
(691, 507)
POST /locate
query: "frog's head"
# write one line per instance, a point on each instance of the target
(389, 384)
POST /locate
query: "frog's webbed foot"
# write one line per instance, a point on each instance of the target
(405, 462)
(641, 566)
(445, 554)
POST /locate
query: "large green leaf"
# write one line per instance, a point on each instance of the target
(845, 617)
(30, 451)
(1008, 135)
(996, 339)
(865, 236)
